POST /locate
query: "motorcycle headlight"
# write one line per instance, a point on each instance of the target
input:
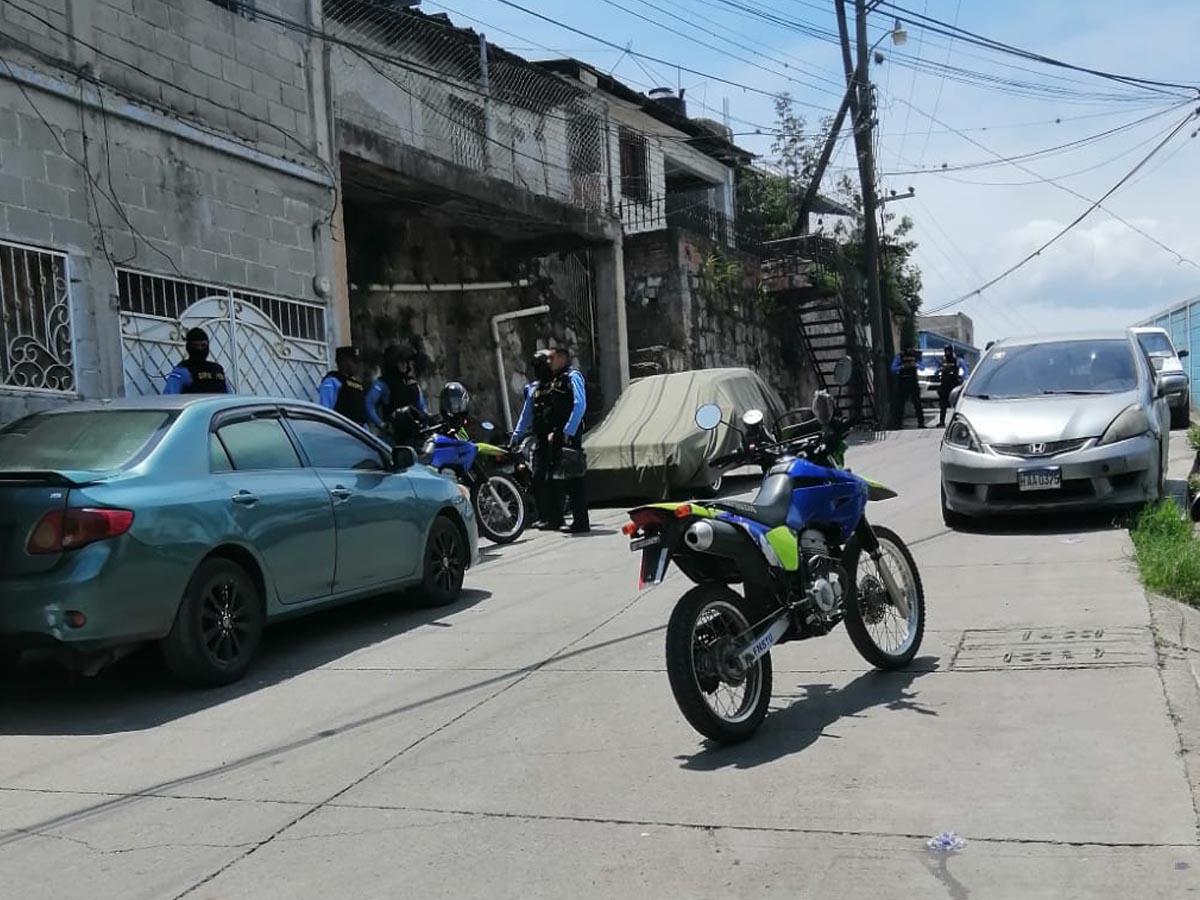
(960, 434)
(1129, 424)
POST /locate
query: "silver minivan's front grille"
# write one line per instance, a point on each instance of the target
(1040, 449)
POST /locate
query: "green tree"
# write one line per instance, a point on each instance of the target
(769, 200)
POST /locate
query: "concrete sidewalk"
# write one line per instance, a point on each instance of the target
(525, 744)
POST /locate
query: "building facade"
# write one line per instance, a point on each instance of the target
(165, 165)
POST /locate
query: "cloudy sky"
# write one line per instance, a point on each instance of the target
(971, 222)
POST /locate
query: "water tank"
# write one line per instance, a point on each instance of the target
(668, 99)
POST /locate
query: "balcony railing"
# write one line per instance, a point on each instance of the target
(677, 211)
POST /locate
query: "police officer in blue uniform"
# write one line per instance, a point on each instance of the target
(555, 407)
(342, 390)
(395, 403)
(197, 374)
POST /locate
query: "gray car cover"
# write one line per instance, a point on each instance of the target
(648, 445)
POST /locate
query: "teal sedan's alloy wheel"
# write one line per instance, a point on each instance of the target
(218, 626)
(445, 563)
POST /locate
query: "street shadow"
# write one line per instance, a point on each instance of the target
(44, 698)
(108, 804)
(808, 714)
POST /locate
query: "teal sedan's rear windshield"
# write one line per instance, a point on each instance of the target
(1055, 367)
(88, 440)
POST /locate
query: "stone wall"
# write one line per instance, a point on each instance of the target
(691, 305)
(454, 327)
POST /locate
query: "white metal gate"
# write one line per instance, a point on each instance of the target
(268, 345)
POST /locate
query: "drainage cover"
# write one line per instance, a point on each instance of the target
(1055, 648)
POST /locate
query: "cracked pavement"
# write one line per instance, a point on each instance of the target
(524, 742)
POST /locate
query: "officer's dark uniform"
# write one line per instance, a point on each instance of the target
(197, 374)
(553, 402)
(949, 377)
(344, 393)
(904, 366)
(400, 391)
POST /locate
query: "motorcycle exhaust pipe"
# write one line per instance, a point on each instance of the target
(722, 539)
(699, 536)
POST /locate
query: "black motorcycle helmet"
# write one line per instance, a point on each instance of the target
(541, 365)
(454, 400)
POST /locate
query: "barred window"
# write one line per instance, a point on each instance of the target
(635, 170)
(36, 343)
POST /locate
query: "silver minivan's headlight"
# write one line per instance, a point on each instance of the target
(960, 434)
(1129, 424)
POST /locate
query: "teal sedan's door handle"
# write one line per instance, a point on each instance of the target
(340, 493)
(244, 498)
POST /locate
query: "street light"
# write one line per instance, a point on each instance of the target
(899, 36)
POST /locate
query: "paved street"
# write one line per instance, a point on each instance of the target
(525, 744)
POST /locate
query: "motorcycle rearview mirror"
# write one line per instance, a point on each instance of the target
(487, 426)
(823, 407)
(843, 371)
(708, 417)
(752, 417)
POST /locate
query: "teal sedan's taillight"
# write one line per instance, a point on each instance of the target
(70, 529)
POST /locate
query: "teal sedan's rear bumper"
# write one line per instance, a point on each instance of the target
(124, 592)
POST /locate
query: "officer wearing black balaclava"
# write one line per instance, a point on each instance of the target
(395, 403)
(342, 389)
(197, 374)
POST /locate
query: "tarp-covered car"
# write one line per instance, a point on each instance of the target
(649, 446)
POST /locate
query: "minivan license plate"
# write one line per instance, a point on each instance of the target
(1039, 479)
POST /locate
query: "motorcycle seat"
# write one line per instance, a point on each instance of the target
(770, 506)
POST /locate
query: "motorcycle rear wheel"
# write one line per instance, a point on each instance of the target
(720, 709)
(879, 633)
(501, 509)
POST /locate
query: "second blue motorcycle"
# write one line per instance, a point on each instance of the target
(806, 559)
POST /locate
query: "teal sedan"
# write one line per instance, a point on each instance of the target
(192, 521)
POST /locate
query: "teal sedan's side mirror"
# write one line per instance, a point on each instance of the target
(403, 458)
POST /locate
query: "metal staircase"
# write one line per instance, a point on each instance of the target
(813, 285)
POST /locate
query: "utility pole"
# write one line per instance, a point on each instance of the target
(858, 82)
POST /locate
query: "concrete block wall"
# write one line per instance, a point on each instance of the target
(249, 78)
(196, 214)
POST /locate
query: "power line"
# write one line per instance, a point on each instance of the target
(945, 28)
(1083, 215)
(1045, 151)
(1074, 193)
(750, 62)
(691, 71)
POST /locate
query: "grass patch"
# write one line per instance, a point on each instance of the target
(1167, 553)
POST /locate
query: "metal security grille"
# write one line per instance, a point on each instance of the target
(268, 345)
(421, 81)
(36, 349)
(573, 280)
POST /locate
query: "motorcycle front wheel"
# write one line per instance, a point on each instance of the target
(500, 508)
(880, 633)
(721, 705)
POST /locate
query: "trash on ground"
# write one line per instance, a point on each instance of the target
(946, 842)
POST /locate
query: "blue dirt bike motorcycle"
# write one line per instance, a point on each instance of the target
(487, 470)
(807, 560)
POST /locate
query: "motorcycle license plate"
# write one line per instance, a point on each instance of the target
(653, 540)
(654, 566)
(1039, 479)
